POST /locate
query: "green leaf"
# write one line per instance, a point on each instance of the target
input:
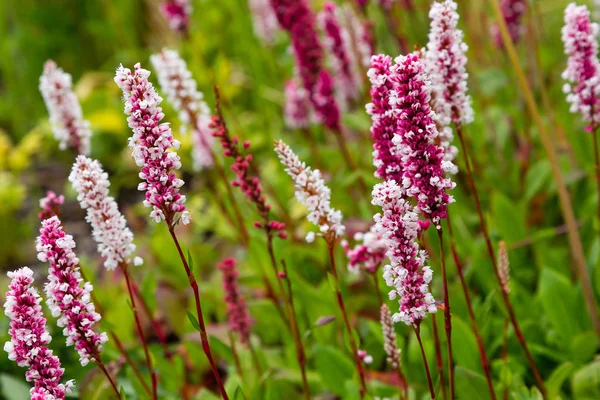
(556, 380)
(335, 368)
(194, 321)
(190, 261)
(470, 385)
(13, 388)
(238, 394)
(122, 393)
(537, 176)
(583, 347)
(586, 382)
(509, 218)
(464, 344)
(333, 283)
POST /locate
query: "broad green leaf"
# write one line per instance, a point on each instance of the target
(335, 368)
(466, 353)
(238, 394)
(586, 382)
(13, 388)
(470, 385)
(556, 380)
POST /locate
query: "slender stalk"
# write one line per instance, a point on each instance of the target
(300, 351)
(482, 354)
(447, 316)
(138, 325)
(417, 329)
(375, 277)
(403, 383)
(102, 367)
(507, 303)
(438, 357)
(236, 357)
(340, 301)
(202, 326)
(580, 267)
(118, 342)
(597, 165)
(505, 355)
(314, 148)
(255, 360)
(339, 135)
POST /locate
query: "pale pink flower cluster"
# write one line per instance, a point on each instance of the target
(109, 228)
(297, 107)
(30, 337)
(361, 35)
(407, 274)
(66, 117)
(368, 255)
(151, 144)
(177, 13)
(445, 61)
(264, 20)
(68, 297)
(310, 190)
(50, 205)
(580, 38)
(176, 81)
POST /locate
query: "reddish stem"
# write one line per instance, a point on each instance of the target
(417, 329)
(203, 335)
(236, 357)
(438, 357)
(447, 316)
(597, 165)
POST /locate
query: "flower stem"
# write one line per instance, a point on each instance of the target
(138, 325)
(341, 139)
(482, 354)
(375, 277)
(202, 326)
(255, 360)
(236, 357)
(340, 301)
(102, 367)
(597, 165)
(417, 329)
(580, 267)
(447, 316)
(507, 303)
(438, 357)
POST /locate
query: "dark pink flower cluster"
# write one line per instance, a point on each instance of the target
(580, 38)
(237, 310)
(151, 146)
(296, 17)
(513, 11)
(178, 14)
(50, 205)
(30, 337)
(369, 254)
(386, 159)
(422, 160)
(249, 185)
(68, 297)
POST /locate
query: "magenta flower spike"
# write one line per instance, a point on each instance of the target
(68, 297)
(407, 274)
(109, 227)
(50, 205)
(512, 11)
(310, 190)
(264, 20)
(423, 163)
(338, 43)
(66, 117)
(367, 255)
(177, 13)
(181, 89)
(580, 38)
(152, 144)
(297, 108)
(237, 310)
(29, 339)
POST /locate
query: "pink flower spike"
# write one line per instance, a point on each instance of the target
(50, 205)
(423, 162)
(109, 228)
(407, 274)
(152, 146)
(264, 20)
(326, 107)
(176, 81)
(360, 31)
(68, 297)
(445, 62)
(368, 255)
(313, 193)
(30, 337)
(66, 117)
(512, 11)
(237, 310)
(177, 13)
(580, 38)
(297, 106)
(338, 44)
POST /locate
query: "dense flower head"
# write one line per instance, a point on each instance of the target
(580, 38)
(445, 61)
(512, 12)
(176, 81)
(151, 144)
(109, 227)
(29, 338)
(68, 297)
(407, 274)
(423, 161)
(310, 190)
(248, 184)
(390, 345)
(50, 205)
(264, 20)
(66, 117)
(360, 32)
(386, 159)
(326, 106)
(177, 13)
(297, 108)
(237, 310)
(338, 44)
(368, 255)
